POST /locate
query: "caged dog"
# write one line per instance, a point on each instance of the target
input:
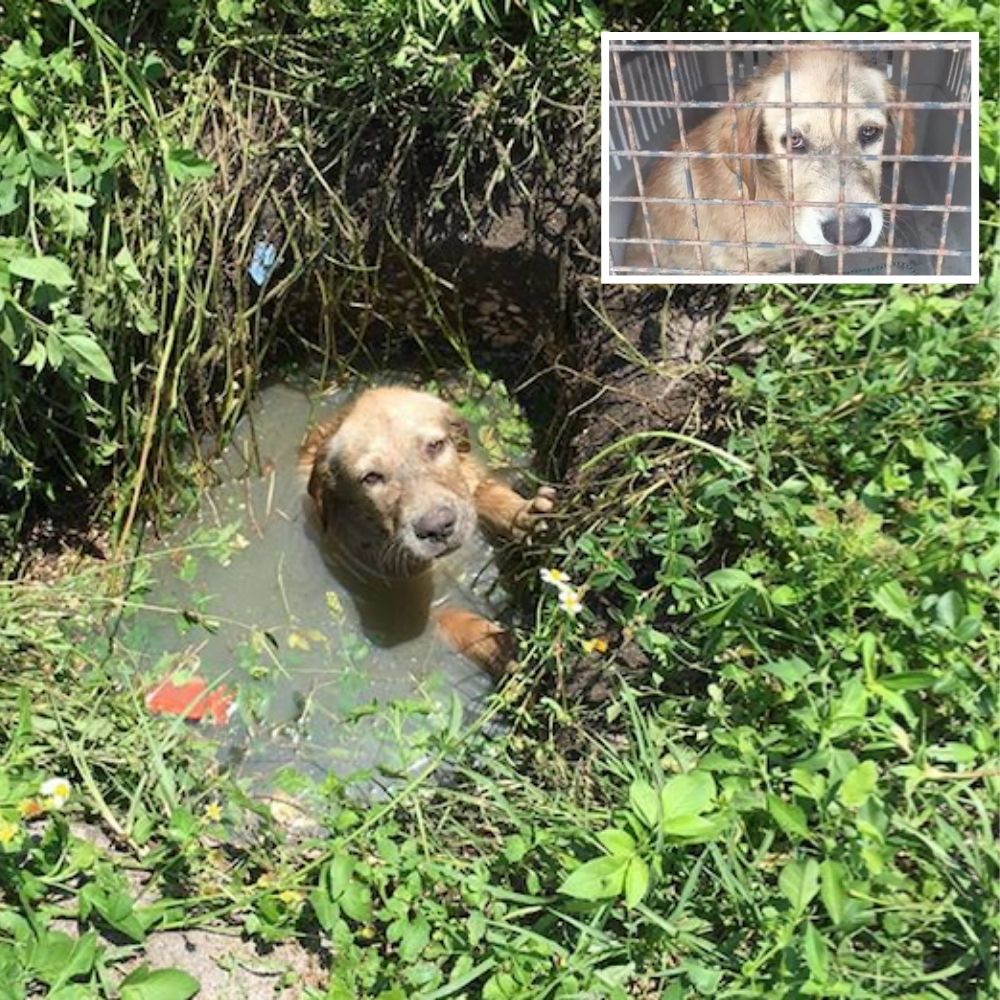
(394, 487)
(822, 146)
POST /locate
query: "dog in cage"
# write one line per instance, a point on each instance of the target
(829, 161)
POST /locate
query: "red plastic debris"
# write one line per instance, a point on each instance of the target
(191, 699)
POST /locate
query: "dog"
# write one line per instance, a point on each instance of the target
(816, 75)
(394, 487)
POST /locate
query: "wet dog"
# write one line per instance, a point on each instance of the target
(394, 487)
(822, 146)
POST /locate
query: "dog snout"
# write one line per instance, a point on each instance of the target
(856, 229)
(437, 525)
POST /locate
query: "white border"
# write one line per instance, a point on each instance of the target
(787, 279)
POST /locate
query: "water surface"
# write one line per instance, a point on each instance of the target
(240, 593)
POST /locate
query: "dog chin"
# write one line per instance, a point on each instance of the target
(424, 551)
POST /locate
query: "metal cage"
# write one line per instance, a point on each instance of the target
(661, 90)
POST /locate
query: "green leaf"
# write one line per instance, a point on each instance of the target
(415, 939)
(728, 580)
(799, 883)
(153, 67)
(185, 165)
(71, 992)
(644, 802)
(831, 890)
(356, 902)
(636, 881)
(42, 270)
(704, 979)
(694, 829)
(592, 15)
(858, 784)
(601, 878)
(616, 841)
(823, 15)
(817, 954)
(339, 874)
(949, 609)
(909, 680)
(850, 709)
(788, 816)
(952, 753)
(115, 907)
(783, 596)
(326, 911)
(159, 984)
(514, 848)
(22, 102)
(88, 356)
(891, 599)
(56, 957)
(687, 795)
(790, 671)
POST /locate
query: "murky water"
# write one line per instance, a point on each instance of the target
(241, 595)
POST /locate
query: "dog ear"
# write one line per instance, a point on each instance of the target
(743, 136)
(312, 457)
(322, 496)
(902, 125)
(458, 431)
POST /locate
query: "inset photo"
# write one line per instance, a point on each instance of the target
(799, 157)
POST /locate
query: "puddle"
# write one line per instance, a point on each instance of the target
(241, 594)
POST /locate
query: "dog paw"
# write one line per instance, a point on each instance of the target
(530, 519)
(486, 643)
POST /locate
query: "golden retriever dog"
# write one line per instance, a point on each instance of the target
(394, 488)
(827, 146)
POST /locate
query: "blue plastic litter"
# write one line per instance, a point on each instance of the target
(265, 256)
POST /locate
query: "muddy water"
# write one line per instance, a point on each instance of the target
(240, 593)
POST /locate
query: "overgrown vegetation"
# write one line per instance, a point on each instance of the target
(761, 762)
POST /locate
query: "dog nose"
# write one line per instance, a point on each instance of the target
(436, 526)
(856, 230)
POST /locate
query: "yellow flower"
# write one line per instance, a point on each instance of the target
(290, 897)
(597, 645)
(569, 601)
(213, 812)
(30, 808)
(556, 577)
(8, 831)
(55, 791)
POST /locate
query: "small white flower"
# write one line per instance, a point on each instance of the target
(55, 791)
(569, 601)
(556, 577)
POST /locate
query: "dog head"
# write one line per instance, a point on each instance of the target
(388, 481)
(829, 145)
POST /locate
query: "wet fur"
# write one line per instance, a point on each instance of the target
(369, 532)
(813, 74)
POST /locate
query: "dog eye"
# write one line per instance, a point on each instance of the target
(869, 133)
(796, 141)
(372, 479)
(434, 448)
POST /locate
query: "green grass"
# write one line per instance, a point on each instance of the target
(780, 779)
(818, 649)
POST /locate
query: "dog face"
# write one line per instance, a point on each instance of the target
(389, 481)
(828, 144)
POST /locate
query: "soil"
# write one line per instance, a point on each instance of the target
(231, 968)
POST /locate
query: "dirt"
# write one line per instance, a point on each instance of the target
(230, 968)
